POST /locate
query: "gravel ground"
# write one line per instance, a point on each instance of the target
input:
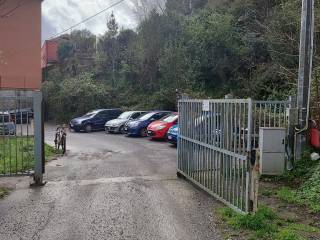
(109, 187)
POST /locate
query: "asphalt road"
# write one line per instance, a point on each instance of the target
(109, 187)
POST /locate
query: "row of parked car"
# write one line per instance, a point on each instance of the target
(155, 124)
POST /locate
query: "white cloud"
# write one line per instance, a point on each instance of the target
(59, 15)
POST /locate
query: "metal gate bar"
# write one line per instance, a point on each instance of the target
(213, 146)
(268, 114)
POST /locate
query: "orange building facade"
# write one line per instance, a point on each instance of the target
(20, 44)
(49, 53)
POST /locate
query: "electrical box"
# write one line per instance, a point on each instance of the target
(272, 150)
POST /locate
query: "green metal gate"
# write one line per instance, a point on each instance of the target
(21, 149)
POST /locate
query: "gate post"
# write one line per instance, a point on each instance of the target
(38, 139)
(252, 181)
(292, 122)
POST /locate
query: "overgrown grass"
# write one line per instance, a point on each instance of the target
(308, 194)
(265, 224)
(17, 154)
(3, 192)
(300, 186)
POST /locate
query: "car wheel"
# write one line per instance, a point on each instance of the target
(121, 130)
(143, 132)
(88, 128)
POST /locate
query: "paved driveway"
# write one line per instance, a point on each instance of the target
(110, 187)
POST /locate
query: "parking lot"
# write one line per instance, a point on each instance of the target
(109, 186)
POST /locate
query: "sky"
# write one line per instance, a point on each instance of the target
(58, 15)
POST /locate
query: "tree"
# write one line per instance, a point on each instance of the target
(65, 50)
(112, 26)
(205, 48)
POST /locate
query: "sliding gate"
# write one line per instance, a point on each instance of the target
(214, 147)
(216, 142)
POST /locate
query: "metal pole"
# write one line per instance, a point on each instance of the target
(38, 139)
(305, 72)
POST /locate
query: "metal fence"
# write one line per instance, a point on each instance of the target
(269, 114)
(19, 148)
(215, 144)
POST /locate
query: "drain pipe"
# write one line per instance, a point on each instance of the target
(305, 70)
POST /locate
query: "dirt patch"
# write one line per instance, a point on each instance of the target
(290, 212)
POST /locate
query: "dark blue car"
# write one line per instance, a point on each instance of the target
(23, 115)
(173, 134)
(94, 120)
(138, 127)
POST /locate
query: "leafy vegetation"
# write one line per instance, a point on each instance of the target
(265, 224)
(300, 186)
(308, 194)
(207, 49)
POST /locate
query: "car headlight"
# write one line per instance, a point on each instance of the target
(76, 122)
(160, 127)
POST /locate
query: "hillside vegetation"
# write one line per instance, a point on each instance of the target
(207, 49)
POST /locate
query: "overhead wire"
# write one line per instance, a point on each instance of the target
(11, 11)
(73, 26)
(86, 19)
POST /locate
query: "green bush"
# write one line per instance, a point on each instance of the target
(76, 96)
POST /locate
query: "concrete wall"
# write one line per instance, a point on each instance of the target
(20, 44)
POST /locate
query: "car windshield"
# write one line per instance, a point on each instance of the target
(125, 115)
(4, 118)
(146, 116)
(90, 114)
(170, 118)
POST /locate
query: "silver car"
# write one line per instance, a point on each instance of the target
(7, 126)
(117, 125)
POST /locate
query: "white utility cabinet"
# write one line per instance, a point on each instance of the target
(272, 150)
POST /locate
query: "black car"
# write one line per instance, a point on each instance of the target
(22, 115)
(117, 125)
(94, 120)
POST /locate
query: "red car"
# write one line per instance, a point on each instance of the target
(159, 129)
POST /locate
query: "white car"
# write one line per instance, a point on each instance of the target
(7, 126)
